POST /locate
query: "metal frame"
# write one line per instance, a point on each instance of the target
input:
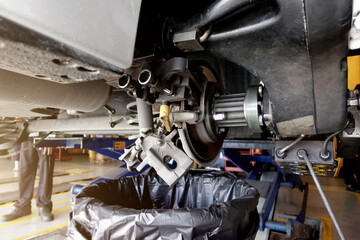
(268, 184)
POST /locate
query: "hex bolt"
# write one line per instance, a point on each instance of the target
(261, 120)
(325, 155)
(280, 155)
(219, 116)
(110, 109)
(159, 142)
(260, 90)
(167, 91)
(301, 153)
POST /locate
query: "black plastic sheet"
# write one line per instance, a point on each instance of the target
(202, 205)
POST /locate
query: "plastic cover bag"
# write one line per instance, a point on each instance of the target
(202, 205)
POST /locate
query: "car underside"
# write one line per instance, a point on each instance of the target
(180, 77)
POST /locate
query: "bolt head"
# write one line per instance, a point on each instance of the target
(167, 91)
(219, 116)
(159, 142)
(325, 155)
(261, 120)
(260, 90)
(280, 155)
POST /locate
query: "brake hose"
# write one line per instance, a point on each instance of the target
(324, 153)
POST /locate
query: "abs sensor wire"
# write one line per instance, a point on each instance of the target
(324, 153)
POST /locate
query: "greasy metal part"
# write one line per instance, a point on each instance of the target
(284, 149)
(252, 110)
(216, 11)
(240, 109)
(205, 36)
(188, 117)
(354, 96)
(303, 154)
(84, 125)
(157, 150)
(202, 141)
(256, 36)
(355, 133)
(290, 164)
(144, 113)
(229, 110)
(188, 41)
(145, 77)
(125, 81)
(111, 110)
(35, 93)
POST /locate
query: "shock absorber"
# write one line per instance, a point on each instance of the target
(240, 109)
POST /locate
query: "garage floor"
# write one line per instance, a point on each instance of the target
(66, 173)
(346, 205)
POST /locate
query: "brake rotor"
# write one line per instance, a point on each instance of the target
(203, 141)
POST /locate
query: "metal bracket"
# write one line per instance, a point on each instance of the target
(155, 151)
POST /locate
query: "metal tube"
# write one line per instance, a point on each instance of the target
(145, 77)
(213, 13)
(284, 149)
(322, 194)
(145, 117)
(31, 93)
(276, 226)
(89, 125)
(324, 152)
(125, 81)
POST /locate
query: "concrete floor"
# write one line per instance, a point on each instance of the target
(346, 205)
(67, 173)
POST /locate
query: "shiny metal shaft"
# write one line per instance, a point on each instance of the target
(323, 196)
(284, 149)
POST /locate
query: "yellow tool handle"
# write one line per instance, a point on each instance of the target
(164, 116)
